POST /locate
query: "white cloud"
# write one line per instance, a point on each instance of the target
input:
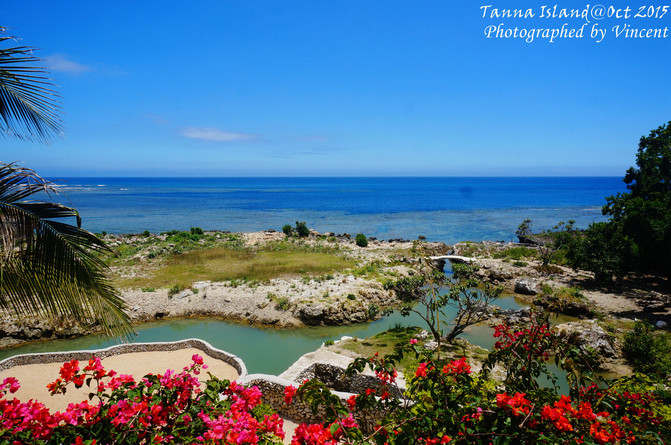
(60, 62)
(215, 134)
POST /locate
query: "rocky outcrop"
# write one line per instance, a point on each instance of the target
(364, 306)
(14, 331)
(526, 287)
(589, 337)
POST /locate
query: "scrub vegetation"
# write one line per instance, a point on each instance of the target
(232, 263)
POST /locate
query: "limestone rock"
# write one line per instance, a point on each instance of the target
(588, 335)
(526, 287)
(500, 275)
(312, 314)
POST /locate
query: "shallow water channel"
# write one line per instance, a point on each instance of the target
(264, 350)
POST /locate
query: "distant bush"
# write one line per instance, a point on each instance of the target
(197, 231)
(647, 351)
(302, 229)
(146, 233)
(282, 304)
(287, 229)
(603, 249)
(177, 237)
(361, 240)
(516, 253)
(174, 289)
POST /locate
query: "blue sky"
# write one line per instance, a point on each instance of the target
(338, 88)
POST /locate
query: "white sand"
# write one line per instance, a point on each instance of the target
(34, 378)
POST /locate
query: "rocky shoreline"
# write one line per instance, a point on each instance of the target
(333, 299)
(595, 317)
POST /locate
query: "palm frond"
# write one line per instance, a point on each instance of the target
(29, 107)
(50, 267)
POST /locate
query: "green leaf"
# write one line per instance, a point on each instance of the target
(48, 267)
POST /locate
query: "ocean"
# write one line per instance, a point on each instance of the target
(440, 209)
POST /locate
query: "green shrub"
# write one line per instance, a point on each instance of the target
(146, 233)
(406, 288)
(519, 263)
(647, 351)
(328, 343)
(197, 231)
(302, 229)
(603, 249)
(287, 229)
(174, 289)
(373, 310)
(516, 253)
(282, 304)
(361, 240)
(148, 289)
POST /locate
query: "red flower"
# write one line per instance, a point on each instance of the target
(69, 370)
(457, 367)
(421, 370)
(289, 393)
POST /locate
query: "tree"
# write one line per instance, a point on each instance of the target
(361, 240)
(645, 211)
(548, 242)
(28, 109)
(47, 267)
(302, 229)
(470, 298)
(604, 250)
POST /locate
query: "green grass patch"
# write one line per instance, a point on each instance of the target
(221, 264)
(516, 253)
(384, 343)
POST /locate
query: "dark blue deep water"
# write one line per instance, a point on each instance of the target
(441, 209)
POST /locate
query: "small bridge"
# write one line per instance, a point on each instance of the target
(440, 260)
(453, 258)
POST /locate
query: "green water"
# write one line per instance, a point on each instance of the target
(264, 350)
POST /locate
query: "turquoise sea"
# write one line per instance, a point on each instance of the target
(441, 209)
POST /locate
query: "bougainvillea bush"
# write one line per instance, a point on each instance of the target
(445, 401)
(163, 408)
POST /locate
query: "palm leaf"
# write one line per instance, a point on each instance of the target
(29, 108)
(49, 267)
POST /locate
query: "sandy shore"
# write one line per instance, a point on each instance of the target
(34, 378)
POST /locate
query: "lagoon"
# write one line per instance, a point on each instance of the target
(264, 350)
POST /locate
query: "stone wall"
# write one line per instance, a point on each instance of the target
(335, 378)
(61, 357)
(272, 388)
